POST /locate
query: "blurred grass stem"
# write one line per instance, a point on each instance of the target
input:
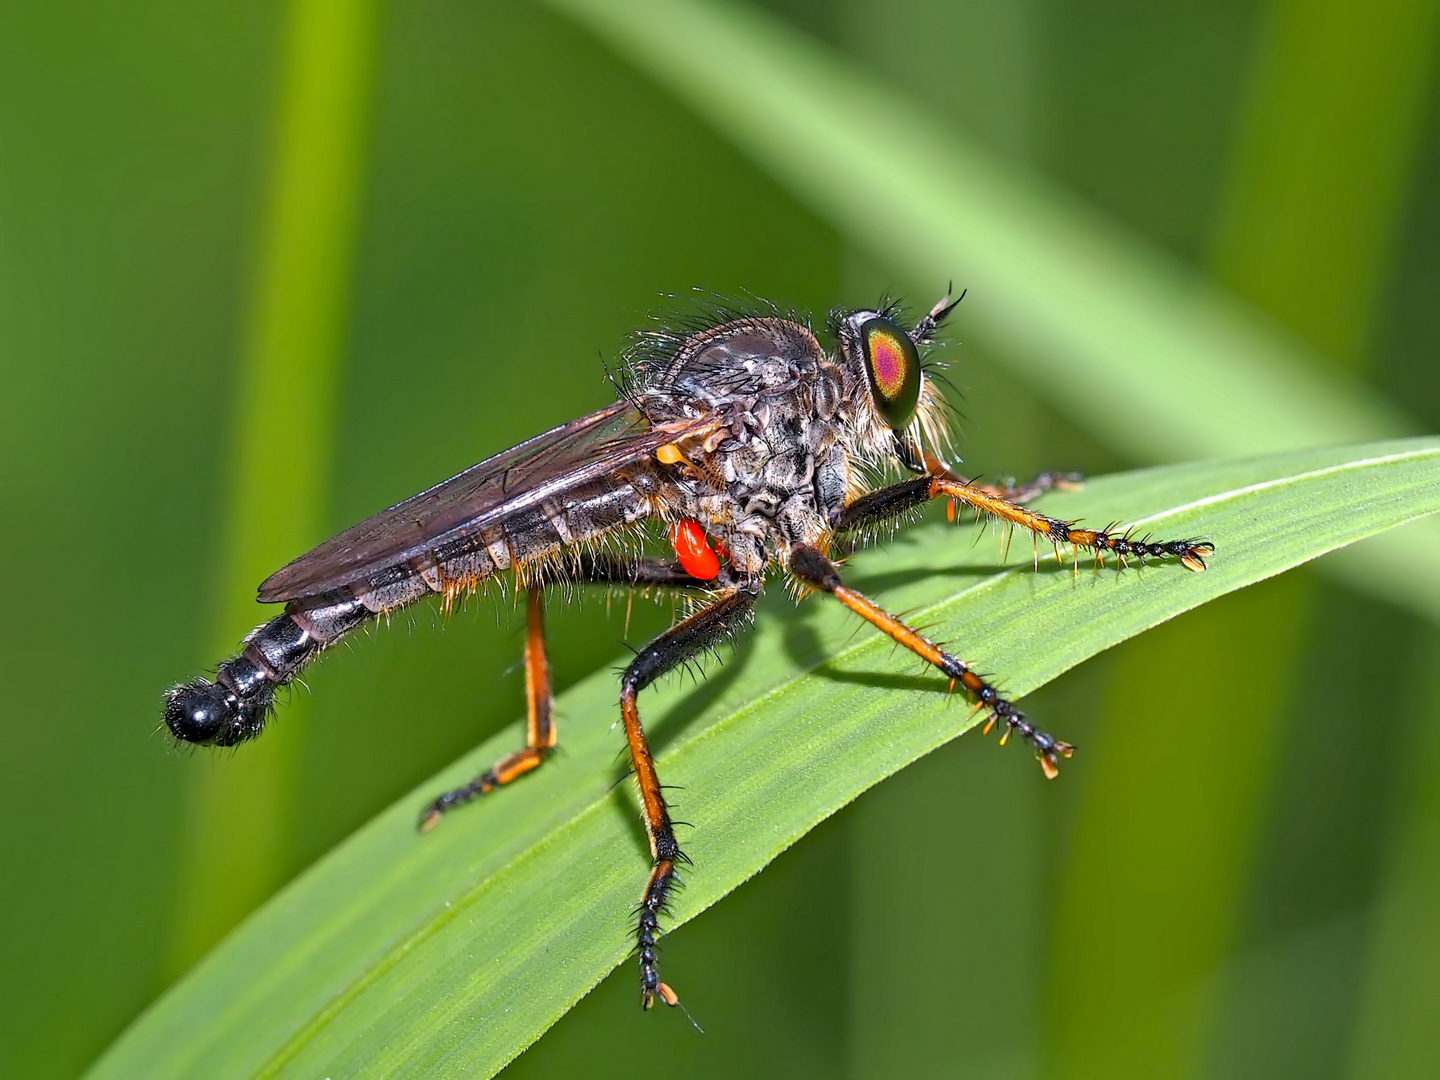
(281, 417)
(1134, 965)
(1318, 175)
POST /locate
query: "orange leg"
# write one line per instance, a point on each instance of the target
(540, 733)
(887, 503)
(686, 639)
(815, 570)
(1192, 552)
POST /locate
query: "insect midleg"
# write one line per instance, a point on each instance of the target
(681, 642)
(638, 573)
(907, 495)
(815, 570)
(540, 733)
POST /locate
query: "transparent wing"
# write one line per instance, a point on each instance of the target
(544, 467)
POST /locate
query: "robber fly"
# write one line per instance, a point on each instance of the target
(754, 448)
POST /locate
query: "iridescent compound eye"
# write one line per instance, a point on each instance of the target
(893, 365)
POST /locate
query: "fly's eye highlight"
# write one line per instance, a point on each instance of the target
(893, 366)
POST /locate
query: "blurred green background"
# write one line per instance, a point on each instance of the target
(267, 267)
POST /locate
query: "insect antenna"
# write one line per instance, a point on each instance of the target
(927, 326)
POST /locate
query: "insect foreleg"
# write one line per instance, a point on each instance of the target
(1010, 491)
(540, 733)
(889, 502)
(880, 506)
(1191, 552)
(815, 570)
(681, 642)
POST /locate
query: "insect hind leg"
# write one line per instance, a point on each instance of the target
(541, 736)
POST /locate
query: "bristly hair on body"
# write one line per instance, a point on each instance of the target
(647, 356)
(648, 352)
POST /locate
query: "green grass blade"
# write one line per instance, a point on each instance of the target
(1097, 321)
(237, 821)
(401, 954)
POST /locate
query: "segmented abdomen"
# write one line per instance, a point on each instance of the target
(235, 706)
(522, 539)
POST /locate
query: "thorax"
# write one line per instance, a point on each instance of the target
(778, 460)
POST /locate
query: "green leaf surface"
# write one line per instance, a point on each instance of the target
(449, 953)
